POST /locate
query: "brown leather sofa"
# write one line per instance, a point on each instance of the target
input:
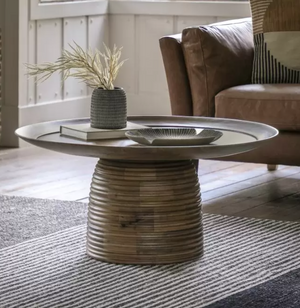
(208, 70)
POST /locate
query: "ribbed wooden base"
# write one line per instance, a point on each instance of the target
(145, 213)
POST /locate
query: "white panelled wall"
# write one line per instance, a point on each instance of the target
(45, 29)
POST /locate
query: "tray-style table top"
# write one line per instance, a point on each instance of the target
(238, 136)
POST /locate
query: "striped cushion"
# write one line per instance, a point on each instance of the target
(276, 29)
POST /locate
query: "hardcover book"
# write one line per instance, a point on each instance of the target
(85, 132)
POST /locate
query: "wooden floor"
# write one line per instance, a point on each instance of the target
(228, 188)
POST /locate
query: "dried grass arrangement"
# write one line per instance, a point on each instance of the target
(94, 68)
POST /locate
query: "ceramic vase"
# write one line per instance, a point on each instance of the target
(108, 108)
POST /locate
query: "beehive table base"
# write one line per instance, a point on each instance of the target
(145, 212)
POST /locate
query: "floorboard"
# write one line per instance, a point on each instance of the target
(228, 188)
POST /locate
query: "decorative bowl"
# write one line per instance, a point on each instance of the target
(173, 136)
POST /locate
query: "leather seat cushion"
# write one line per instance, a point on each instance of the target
(275, 104)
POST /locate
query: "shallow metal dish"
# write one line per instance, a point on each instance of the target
(173, 136)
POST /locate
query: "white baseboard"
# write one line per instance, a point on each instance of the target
(66, 109)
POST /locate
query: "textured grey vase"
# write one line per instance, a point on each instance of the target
(109, 108)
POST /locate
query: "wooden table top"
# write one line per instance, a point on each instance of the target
(238, 136)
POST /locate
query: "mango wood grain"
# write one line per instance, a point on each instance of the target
(145, 212)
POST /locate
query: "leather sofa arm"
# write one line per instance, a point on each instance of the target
(217, 57)
(177, 79)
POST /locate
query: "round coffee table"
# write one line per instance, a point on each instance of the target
(145, 201)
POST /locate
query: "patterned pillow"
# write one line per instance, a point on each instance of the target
(276, 29)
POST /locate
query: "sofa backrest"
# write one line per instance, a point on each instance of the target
(217, 57)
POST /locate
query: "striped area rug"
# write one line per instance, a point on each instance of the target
(54, 271)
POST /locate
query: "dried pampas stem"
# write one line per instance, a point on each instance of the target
(86, 66)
